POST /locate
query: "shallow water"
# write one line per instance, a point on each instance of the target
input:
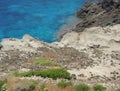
(41, 19)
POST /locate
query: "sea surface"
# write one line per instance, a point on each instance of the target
(41, 19)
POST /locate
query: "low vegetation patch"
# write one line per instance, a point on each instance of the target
(82, 87)
(23, 85)
(64, 84)
(50, 73)
(36, 85)
(45, 62)
(98, 52)
(2, 86)
(117, 89)
(42, 86)
(99, 88)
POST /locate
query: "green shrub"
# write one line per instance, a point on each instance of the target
(117, 89)
(50, 73)
(64, 84)
(42, 86)
(82, 87)
(32, 87)
(45, 62)
(2, 86)
(99, 88)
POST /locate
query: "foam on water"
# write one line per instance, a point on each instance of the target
(40, 18)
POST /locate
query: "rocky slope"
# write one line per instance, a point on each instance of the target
(91, 52)
(102, 45)
(104, 13)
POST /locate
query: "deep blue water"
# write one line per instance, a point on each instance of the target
(40, 18)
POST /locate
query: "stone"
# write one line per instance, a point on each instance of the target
(1, 46)
(74, 77)
(81, 75)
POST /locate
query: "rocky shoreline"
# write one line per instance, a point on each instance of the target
(91, 54)
(74, 55)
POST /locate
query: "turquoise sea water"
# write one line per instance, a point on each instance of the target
(41, 19)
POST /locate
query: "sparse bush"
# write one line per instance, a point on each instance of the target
(45, 62)
(82, 87)
(32, 87)
(117, 89)
(64, 84)
(51, 73)
(2, 86)
(98, 52)
(99, 88)
(25, 85)
(42, 86)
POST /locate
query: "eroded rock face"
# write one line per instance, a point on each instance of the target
(110, 4)
(102, 46)
(1, 46)
(95, 14)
